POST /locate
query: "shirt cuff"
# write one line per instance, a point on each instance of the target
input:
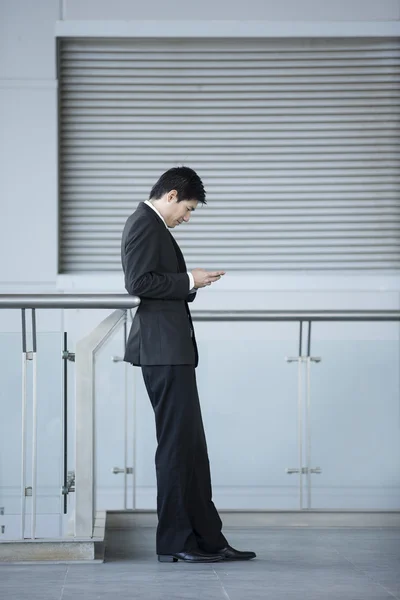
(191, 282)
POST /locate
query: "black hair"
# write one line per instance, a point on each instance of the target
(182, 179)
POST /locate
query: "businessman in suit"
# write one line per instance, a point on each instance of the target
(162, 342)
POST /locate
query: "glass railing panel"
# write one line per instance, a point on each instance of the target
(355, 416)
(248, 395)
(49, 435)
(114, 428)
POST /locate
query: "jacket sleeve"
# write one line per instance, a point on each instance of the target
(142, 251)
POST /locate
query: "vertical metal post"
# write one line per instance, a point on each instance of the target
(34, 427)
(308, 421)
(301, 339)
(126, 417)
(133, 433)
(308, 417)
(300, 411)
(134, 440)
(23, 429)
(299, 360)
(65, 420)
(84, 431)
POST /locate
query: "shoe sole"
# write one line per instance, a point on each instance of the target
(168, 558)
(233, 559)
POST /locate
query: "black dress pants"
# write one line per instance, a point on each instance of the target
(187, 517)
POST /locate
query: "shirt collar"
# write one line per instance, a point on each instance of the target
(156, 211)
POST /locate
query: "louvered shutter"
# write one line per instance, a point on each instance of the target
(297, 143)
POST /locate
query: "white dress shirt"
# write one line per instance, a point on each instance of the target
(191, 278)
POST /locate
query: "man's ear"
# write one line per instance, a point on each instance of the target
(172, 196)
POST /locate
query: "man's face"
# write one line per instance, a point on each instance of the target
(178, 212)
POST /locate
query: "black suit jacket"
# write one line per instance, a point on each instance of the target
(162, 330)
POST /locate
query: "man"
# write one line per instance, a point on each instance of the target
(163, 343)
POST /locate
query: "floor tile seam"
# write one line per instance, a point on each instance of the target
(225, 593)
(367, 575)
(64, 582)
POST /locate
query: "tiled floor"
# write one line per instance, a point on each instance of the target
(292, 563)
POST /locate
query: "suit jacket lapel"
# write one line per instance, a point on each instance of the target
(179, 255)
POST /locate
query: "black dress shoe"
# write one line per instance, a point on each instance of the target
(229, 553)
(192, 556)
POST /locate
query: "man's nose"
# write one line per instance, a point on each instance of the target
(186, 218)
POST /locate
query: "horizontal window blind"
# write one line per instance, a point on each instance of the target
(297, 143)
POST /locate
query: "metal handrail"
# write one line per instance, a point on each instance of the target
(126, 301)
(68, 301)
(295, 315)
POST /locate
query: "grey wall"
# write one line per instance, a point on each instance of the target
(286, 10)
(28, 159)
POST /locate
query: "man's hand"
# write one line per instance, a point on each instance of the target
(203, 277)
